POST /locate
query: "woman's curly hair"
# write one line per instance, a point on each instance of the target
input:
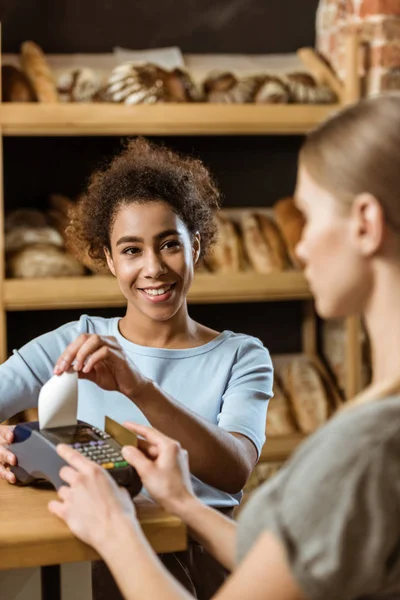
(144, 172)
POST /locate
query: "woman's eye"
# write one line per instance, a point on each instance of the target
(171, 244)
(131, 251)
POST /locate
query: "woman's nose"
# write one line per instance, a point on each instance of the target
(154, 266)
(300, 251)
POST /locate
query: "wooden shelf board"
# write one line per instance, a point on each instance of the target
(31, 119)
(102, 291)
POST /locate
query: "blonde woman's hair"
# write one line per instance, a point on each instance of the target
(358, 151)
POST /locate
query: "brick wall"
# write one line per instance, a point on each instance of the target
(379, 25)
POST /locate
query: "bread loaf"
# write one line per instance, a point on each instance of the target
(291, 224)
(42, 260)
(36, 68)
(60, 217)
(274, 240)
(307, 393)
(263, 243)
(258, 251)
(16, 87)
(227, 255)
(26, 227)
(280, 420)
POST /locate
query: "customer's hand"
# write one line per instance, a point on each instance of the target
(162, 465)
(92, 505)
(102, 360)
(6, 457)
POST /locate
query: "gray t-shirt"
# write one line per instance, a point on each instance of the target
(335, 507)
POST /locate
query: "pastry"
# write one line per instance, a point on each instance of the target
(43, 260)
(78, 85)
(227, 254)
(304, 89)
(179, 87)
(16, 87)
(130, 83)
(272, 90)
(36, 68)
(291, 224)
(307, 394)
(225, 87)
(280, 420)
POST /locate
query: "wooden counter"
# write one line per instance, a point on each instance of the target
(31, 537)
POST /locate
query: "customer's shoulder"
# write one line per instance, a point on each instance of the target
(364, 430)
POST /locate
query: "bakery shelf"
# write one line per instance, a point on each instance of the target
(280, 448)
(102, 291)
(27, 119)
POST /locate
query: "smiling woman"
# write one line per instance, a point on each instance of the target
(150, 216)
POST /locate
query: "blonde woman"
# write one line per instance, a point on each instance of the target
(328, 525)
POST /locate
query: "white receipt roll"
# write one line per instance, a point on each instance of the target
(58, 401)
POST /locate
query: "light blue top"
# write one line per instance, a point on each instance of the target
(228, 381)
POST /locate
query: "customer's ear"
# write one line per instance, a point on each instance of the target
(368, 224)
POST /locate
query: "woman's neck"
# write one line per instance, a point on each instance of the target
(382, 320)
(178, 332)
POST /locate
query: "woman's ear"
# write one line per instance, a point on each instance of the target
(368, 223)
(110, 261)
(196, 247)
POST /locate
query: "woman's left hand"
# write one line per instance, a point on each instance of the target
(92, 505)
(102, 360)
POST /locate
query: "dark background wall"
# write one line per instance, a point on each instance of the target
(250, 170)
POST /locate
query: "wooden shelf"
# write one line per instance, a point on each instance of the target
(102, 291)
(19, 119)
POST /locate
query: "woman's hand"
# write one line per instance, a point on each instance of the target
(93, 506)
(102, 360)
(6, 457)
(162, 465)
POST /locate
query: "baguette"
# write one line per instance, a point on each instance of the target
(291, 223)
(36, 68)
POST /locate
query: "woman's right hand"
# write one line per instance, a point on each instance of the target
(162, 465)
(6, 457)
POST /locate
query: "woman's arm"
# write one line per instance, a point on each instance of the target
(264, 574)
(217, 456)
(164, 469)
(102, 515)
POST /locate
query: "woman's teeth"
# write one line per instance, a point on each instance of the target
(157, 292)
